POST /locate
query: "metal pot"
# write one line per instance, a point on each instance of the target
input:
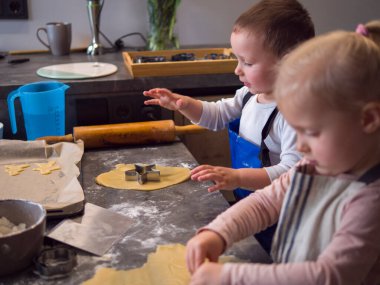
(18, 249)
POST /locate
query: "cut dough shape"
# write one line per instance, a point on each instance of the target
(168, 176)
(14, 169)
(165, 266)
(46, 168)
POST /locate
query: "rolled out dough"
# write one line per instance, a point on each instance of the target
(168, 176)
(166, 266)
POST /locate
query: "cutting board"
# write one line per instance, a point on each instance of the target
(78, 70)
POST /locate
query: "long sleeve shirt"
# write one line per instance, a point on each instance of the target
(281, 140)
(351, 257)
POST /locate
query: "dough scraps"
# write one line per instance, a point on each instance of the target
(14, 169)
(46, 168)
(166, 266)
(168, 176)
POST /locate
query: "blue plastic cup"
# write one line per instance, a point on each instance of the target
(43, 107)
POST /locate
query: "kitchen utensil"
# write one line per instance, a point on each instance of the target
(56, 262)
(59, 37)
(95, 232)
(94, 9)
(18, 249)
(143, 173)
(43, 107)
(77, 70)
(126, 134)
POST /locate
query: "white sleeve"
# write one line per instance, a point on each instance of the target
(289, 155)
(216, 115)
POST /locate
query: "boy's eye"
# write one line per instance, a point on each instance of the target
(241, 61)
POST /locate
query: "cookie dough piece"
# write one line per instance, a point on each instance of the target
(14, 169)
(165, 266)
(168, 176)
(46, 168)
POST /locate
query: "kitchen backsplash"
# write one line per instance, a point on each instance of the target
(199, 22)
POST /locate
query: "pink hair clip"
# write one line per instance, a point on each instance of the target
(362, 30)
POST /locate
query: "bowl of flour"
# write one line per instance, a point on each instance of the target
(22, 229)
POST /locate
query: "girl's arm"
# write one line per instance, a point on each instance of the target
(352, 257)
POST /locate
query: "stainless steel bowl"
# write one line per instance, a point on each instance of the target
(18, 249)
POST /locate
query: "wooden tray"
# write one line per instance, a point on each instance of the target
(211, 66)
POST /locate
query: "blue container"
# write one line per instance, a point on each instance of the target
(43, 107)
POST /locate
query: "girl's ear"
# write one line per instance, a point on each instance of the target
(371, 117)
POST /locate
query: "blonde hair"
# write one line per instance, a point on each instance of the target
(341, 68)
(282, 23)
(373, 29)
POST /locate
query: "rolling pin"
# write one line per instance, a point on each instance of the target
(126, 134)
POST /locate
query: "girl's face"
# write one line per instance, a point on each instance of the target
(255, 64)
(332, 140)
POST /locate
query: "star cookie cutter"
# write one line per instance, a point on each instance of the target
(143, 173)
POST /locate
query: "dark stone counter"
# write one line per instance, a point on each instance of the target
(170, 215)
(16, 75)
(105, 100)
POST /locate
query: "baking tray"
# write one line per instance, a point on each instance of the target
(60, 192)
(169, 68)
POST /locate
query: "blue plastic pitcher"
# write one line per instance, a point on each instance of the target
(43, 107)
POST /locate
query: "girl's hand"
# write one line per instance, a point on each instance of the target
(224, 178)
(165, 98)
(206, 244)
(208, 273)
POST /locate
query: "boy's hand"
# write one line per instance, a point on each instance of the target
(206, 244)
(208, 273)
(224, 178)
(165, 98)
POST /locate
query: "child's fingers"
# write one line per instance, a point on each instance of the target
(152, 102)
(194, 259)
(214, 188)
(199, 168)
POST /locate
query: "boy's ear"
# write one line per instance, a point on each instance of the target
(371, 117)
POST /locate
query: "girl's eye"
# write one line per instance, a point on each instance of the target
(247, 64)
(311, 133)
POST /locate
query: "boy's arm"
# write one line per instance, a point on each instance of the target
(187, 106)
(226, 178)
(253, 213)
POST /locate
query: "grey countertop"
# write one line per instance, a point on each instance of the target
(170, 215)
(111, 99)
(15, 75)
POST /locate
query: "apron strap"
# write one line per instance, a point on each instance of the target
(371, 175)
(246, 98)
(264, 152)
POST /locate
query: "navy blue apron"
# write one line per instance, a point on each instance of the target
(245, 154)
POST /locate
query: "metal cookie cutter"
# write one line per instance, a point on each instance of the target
(54, 263)
(143, 173)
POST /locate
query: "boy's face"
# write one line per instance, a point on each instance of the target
(256, 66)
(332, 140)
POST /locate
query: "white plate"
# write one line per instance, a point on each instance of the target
(79, 70)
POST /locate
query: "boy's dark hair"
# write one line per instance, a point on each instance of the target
(283, 23)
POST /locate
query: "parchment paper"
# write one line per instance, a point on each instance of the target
(54, 191)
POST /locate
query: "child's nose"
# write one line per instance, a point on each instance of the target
(238, 70)
(302, 146)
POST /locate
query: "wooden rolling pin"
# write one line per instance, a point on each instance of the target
(126, 134)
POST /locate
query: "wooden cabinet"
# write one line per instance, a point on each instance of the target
(209, 147)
